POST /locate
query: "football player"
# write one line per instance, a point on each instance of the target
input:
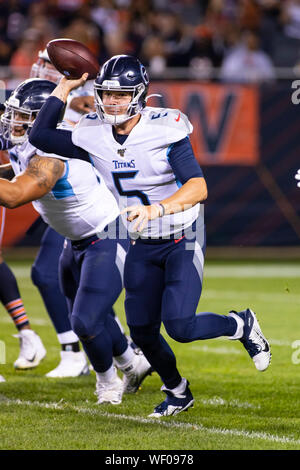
(144, 154)
(32, 350)
(67, 193)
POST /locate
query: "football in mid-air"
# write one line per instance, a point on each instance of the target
(72, 58)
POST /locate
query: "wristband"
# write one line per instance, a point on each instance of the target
(161, 209)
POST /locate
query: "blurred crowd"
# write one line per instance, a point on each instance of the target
(227, 40)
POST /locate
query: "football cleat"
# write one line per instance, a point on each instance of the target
(2, 379)
(135, 373)
(32, 350)
(253, 339)
(72, 364)
(109, 392)
(173, 404)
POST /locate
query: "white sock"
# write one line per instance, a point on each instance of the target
(67, 337)
(179, 390)
(239, 328)
(125, 359)
(108, 376)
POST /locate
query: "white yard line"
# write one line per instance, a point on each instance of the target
(215, 350)
(197, 346)
(268, 297)
(34, 321)
(219, 401)
(252, 270)
(170, 424)
(273, 270)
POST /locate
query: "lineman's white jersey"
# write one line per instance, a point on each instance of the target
(138, 172)
(80, 204)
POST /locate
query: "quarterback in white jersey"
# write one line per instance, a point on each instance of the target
(145, 154)
(145, 176)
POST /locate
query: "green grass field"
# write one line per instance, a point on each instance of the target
(236, 407)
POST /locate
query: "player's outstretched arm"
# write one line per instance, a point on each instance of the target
(37, 180)
(45, 136)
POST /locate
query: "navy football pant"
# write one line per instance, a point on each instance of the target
(44, 274)
(163, 282)
(92, 281)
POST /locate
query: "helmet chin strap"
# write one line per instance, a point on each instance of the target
(17, 140)
(116, 119)
(153, 94)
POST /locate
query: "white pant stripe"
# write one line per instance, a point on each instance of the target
(198, 260)
(120, 260)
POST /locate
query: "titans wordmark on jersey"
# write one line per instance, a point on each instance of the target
(138, 172)
(79, 205)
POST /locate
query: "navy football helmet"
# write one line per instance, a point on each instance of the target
(22, 107)
(122, 73)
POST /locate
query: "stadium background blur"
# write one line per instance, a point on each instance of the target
(230, 65)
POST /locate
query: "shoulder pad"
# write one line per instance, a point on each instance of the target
(173, 123)
(88, 120)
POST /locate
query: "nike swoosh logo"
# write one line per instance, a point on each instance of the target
(178, 239)
(178, 117)
(266, 348)
(31, 360)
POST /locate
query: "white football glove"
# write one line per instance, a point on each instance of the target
(297, 176)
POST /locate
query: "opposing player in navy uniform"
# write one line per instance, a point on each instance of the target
(67, 193)
(145, 156)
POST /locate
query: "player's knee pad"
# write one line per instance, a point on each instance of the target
(84, 330)
(178, 330)
(36, 276)
(41, 278)
(144, 336)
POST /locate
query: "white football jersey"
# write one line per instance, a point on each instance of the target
(80, 204)
(138, 172)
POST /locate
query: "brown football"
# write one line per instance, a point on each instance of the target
(72, 58)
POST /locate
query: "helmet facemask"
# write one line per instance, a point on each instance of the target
(14, 127)
(40, 69)
(135, 106)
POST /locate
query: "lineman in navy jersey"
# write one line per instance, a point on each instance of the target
(144, 154)
(67, 193)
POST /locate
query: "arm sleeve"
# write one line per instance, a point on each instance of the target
(46, 137)
(183, 162)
